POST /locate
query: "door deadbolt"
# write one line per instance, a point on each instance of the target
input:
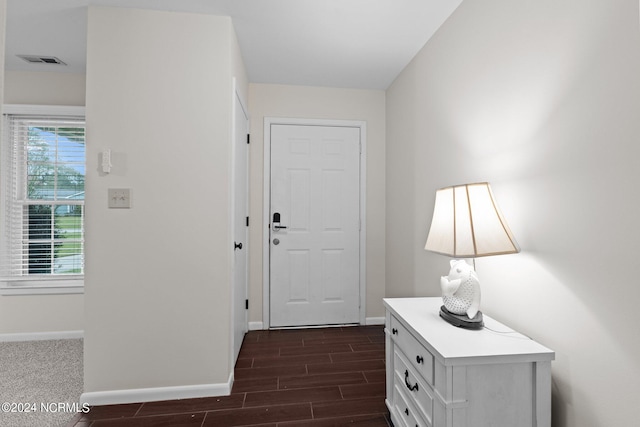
(276, 241)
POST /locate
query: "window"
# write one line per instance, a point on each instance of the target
(43, 174)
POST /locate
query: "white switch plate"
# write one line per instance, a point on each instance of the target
(119, 198)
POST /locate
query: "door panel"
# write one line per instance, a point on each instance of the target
(314, 249)
(240, 233)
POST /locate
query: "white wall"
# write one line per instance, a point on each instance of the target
(55, 313)
(268, 100)
(3, 25)
(4, 322)
(542, 99)
(44, 88)
(158, 282)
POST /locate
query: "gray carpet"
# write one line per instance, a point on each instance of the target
(40, 372)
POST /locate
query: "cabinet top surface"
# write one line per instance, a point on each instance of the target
(451, 344)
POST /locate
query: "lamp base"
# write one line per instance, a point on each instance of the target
(462, 320)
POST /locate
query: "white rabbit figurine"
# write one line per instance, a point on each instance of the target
(461, 289)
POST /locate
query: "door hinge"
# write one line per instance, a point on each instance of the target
(248, 139)
(247, 221)
(246, 304)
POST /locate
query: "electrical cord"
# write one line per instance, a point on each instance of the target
(523, 337)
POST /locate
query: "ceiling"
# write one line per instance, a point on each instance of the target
(336, 43)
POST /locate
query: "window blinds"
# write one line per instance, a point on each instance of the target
(43, 197)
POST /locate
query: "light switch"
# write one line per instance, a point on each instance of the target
(119, 198)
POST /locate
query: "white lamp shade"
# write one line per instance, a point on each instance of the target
(467, 223)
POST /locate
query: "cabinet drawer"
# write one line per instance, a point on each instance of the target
(405, 411)
(417, 355)
(413, 386)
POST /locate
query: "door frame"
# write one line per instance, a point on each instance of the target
(266, 220)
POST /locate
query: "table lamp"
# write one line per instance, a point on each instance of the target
(467, 223)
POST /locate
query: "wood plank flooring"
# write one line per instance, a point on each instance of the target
(304, 377)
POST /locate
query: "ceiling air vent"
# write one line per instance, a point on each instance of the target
(36, 59)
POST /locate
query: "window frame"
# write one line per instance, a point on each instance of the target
(25, 285)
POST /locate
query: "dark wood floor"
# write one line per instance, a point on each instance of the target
(305, 377)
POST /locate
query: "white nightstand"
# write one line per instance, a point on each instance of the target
(442, 376)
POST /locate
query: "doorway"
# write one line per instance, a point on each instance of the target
(314, 223)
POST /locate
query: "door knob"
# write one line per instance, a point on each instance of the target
(237, 246)
(276, 222)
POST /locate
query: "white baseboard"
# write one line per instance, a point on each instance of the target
(256, 326)
(41, 336)
(374, 321)
(115, 397)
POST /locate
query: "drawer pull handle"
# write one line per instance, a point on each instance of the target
(406, 411)
(406, 382)
(394, 331)
(419, 359)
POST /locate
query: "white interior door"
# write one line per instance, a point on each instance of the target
(315, 225)
(240, 225)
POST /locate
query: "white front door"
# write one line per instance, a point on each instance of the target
(315, 225)
(240, 233)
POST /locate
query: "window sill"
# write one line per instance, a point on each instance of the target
(42, 287)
